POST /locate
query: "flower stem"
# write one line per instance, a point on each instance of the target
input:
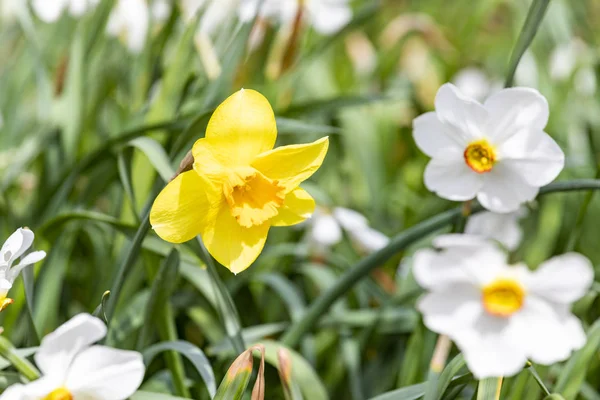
(398, 243)
(7, 350)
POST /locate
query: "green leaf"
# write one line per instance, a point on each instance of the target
(156, 155)
(489, 389)
(530, 27)
(573, 374)
(28, 285)
(192, 353)
(143, 395)
(163, 285)
(413, 392)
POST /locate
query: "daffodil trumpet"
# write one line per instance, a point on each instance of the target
(239, 185)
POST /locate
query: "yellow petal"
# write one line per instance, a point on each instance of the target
(232, 245)
(243, 126)
(183, 207)
(290, 165)
(298, 205)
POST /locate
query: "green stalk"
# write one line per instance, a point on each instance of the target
(398, 243)
(168, 333)
(7, 350)
(532, 23)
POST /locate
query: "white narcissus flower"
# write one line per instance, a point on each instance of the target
(326, 16)
(499, 315)
(74, 368)
(497, 152)
(129, 21)
(51, 10)
(326, 230)
(14, 247)
(503, 228)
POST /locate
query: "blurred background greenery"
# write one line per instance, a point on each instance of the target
(91, 128)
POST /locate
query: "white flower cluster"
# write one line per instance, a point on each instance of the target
(74, 368)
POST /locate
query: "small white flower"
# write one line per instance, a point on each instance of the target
(497, 152)
(160, 10)
(129, 22)
(14, 247)
(499, 315)
(501, 227)
(326, 16)
(51, 10)
(326, 230)
(74, 368)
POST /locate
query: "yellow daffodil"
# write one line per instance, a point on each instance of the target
(240, 186)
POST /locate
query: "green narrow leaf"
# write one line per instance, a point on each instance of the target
(489, 389)
(193, 354)
(574, 372)
(530, 27)
(156, 155)
(412, 392)
(163, 285)
(449, 373)
(28, 285)
(143, 395)
(71, 105)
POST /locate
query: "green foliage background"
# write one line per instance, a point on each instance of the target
(91, 133)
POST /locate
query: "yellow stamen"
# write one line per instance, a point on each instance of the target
(503, 297)
(253, 198)
(59, 394)
(480, 156)
(5, 302)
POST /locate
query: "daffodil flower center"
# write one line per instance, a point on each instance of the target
(480, 156)
(252, 198)
(503, 297)
(59, 394)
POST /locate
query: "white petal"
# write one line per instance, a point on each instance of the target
(476, 265)
(452, 310)
(14, 392)
(29, 259)
(504, 190)
(466, 115)
(452, 180)
(473, 83)
(535, 155)
(40, 388)
(550, 334)
(58, 348)
(369, 240)
(491, 348)
(104, 373)
(16, 245)
(435, 138)
(349, 219)
(329, 18)
(562, 279)
(48, 10)
(459, 240)
(501, 227)
(513, 110)
(325, 230)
